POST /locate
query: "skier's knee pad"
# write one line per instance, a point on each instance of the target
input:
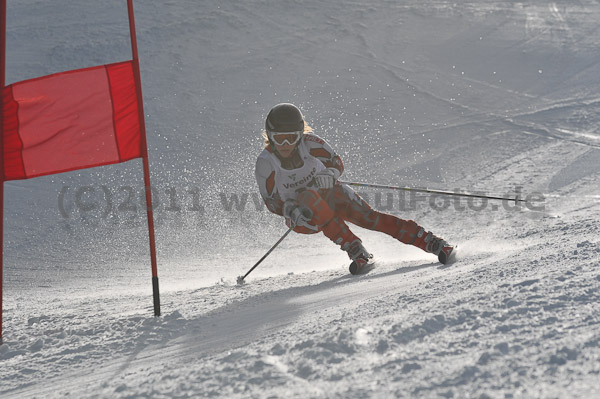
(311, 199)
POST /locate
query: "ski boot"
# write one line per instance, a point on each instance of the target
(446, 254)
(439, 247)
(359, 255)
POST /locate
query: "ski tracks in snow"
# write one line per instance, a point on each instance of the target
(161, 346)
(491, 323)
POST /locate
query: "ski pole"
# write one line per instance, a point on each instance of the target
(240, 279)
(426, 190)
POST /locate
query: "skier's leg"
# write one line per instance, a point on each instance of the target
(334, 228)
(323, 217)
(352, 208)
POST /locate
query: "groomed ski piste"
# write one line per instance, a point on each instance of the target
(498, 97)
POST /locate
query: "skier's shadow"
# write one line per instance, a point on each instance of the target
(237, 324)
(402, 270)
(282, 307)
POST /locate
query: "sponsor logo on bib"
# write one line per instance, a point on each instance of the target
(302, 181)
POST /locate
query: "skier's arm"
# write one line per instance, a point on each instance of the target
(265, 177)
(321, 150)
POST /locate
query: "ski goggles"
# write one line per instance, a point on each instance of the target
(281, 138)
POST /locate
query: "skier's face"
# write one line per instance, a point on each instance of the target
(285, 142)
(285, 150)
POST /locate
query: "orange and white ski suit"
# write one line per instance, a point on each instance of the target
(281, 180)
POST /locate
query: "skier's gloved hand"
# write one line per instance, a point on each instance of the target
(288, 207)
(326, 178)
(296, 215)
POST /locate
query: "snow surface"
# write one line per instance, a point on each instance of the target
(494, 96)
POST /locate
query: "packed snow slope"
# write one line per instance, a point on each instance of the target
(492, 96)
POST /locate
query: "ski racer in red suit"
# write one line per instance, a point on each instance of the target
(297, 175)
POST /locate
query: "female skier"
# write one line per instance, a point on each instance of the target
(297, 175)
